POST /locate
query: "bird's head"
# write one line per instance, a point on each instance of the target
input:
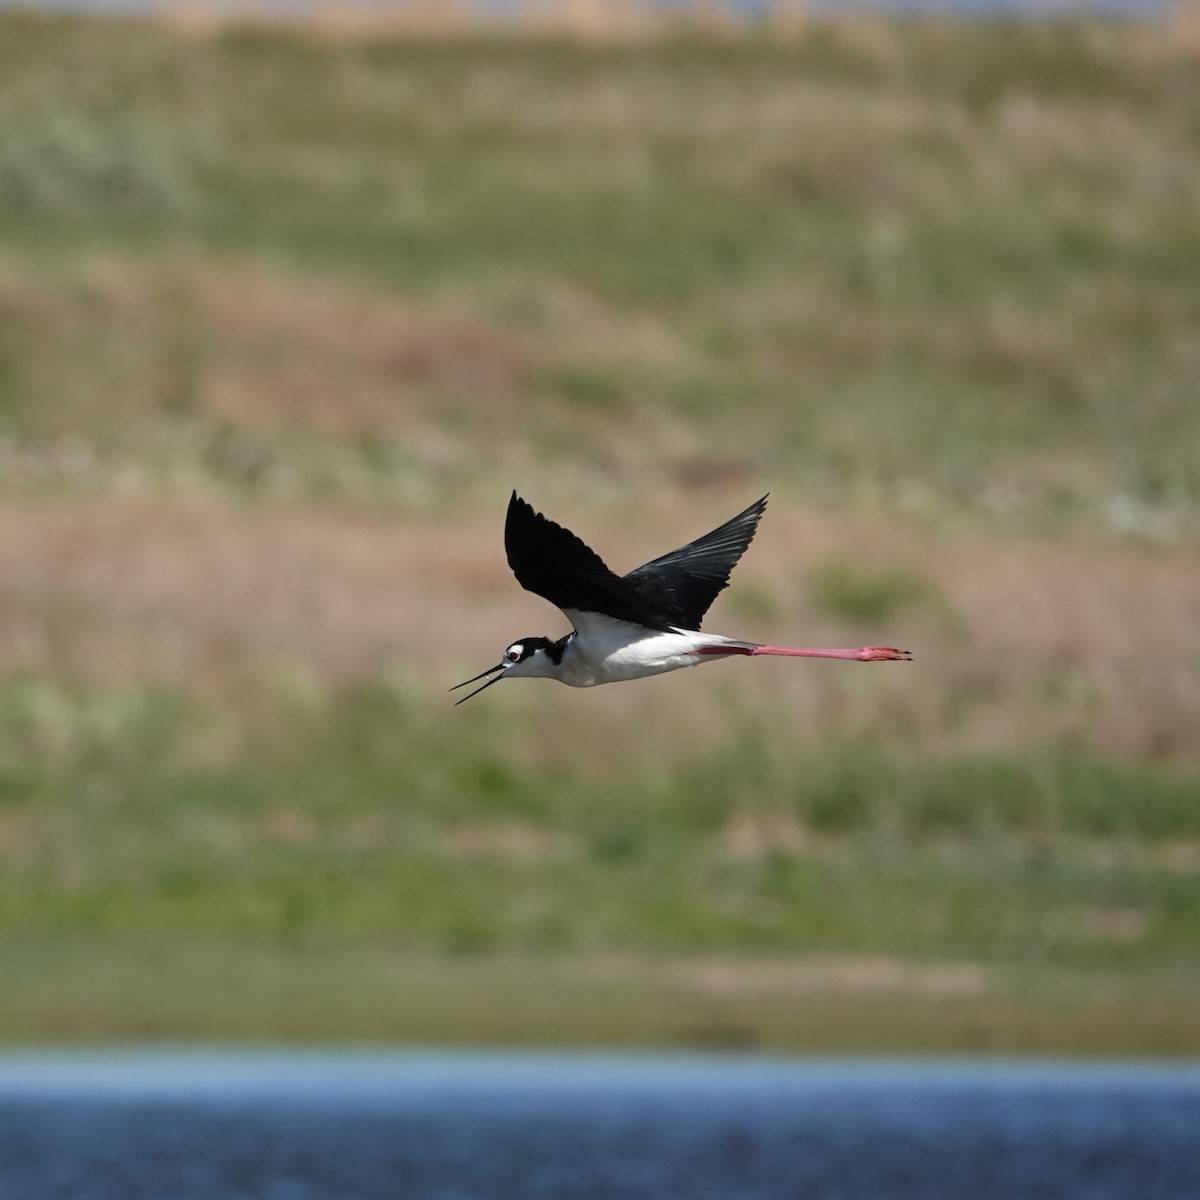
(529, 657)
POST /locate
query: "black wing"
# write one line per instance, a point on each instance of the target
(682, 585)
(553, 563)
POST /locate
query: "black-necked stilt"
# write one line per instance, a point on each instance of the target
(625, 627)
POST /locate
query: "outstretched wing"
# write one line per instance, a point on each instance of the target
(682, 585)
(553, 563)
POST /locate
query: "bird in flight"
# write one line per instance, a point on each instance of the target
(630, 626)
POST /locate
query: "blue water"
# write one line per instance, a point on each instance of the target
(171, 1126)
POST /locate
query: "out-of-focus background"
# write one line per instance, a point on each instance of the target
(291, 298)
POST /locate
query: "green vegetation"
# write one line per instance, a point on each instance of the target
(307, 824)
(942, 269)
(225, 990)
(870, 595)
(283, 318)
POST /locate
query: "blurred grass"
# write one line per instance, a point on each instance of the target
(942, 268)
(311, 863)
(870, 595)
(363, 813)
(937, 280)
(220, 991)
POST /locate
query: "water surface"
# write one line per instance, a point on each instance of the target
(178, 1126)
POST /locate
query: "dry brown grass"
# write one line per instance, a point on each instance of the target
(1182, 30)
(255, 349)
(340, 363)
(581, 20)
(1043, 637)
(601, 22)
(820, 972)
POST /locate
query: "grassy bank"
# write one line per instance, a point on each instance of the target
(348, 864)
(944, 269)
(364, 813)
(283, 318)
(121, 990)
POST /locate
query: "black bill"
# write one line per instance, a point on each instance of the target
(498, 667)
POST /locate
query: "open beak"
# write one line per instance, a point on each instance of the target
(496, 679)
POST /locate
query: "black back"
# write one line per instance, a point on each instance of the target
(674, 591)
(552, 562)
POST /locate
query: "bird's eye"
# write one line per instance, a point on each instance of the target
(514, 654)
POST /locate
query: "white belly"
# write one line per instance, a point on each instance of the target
(605, 650)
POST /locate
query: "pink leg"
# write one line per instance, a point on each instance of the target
(866, 654)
